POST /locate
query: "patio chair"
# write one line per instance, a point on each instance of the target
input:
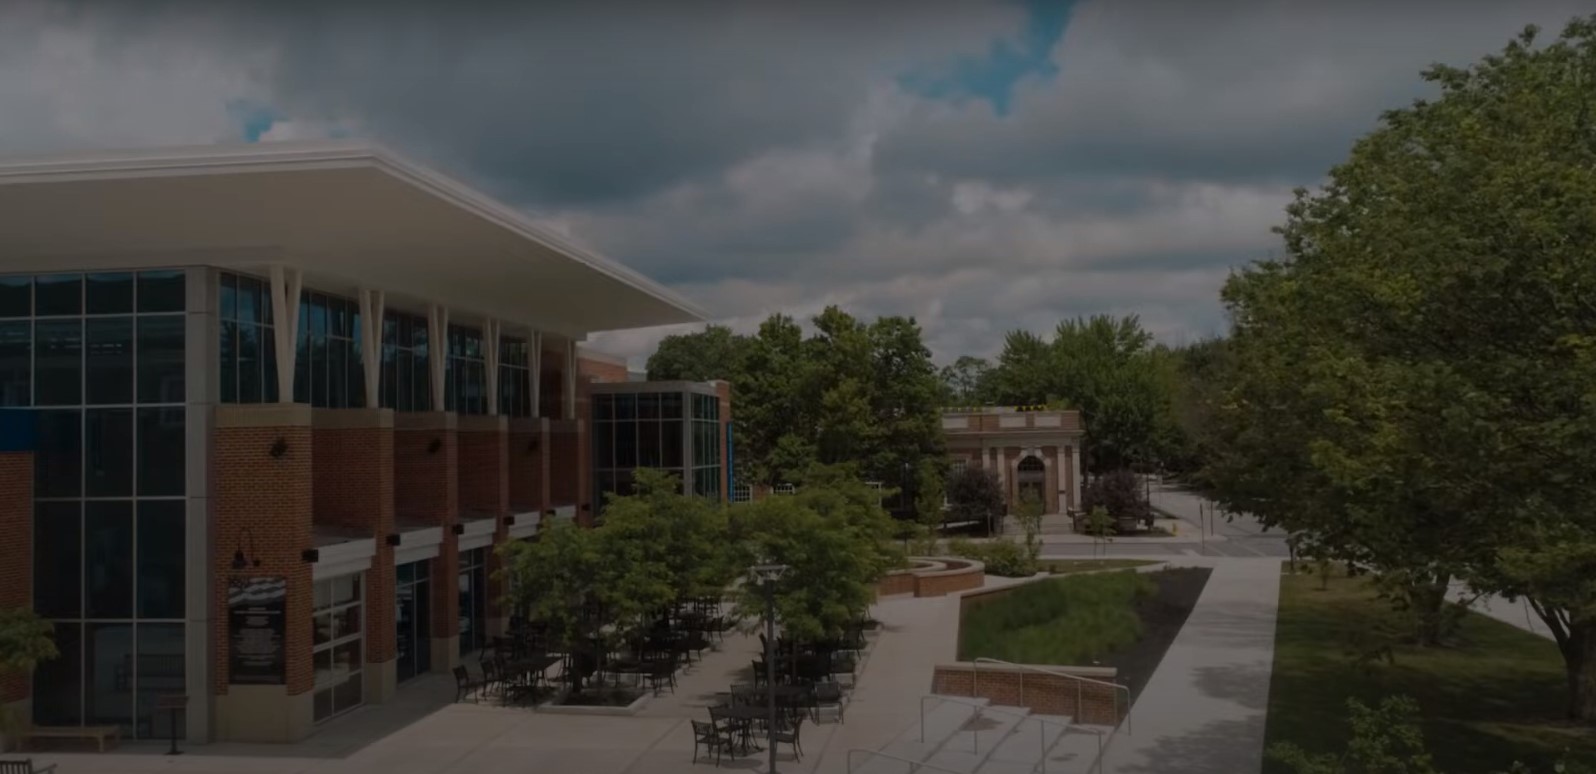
(826, 696)
(658, 674)
(759, 673)
(711, 737)
(490, 677)
(789, 735)
(464, 684)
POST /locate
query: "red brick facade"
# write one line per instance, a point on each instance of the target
(484, 467)
(529, 465)
(272, 498)
(16, 559)
(426, 490)
(353, 478)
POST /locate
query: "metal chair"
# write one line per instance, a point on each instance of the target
(711, 737)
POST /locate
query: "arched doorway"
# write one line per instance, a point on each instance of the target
(1032, 477)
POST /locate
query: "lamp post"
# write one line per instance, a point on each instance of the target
(767, 575)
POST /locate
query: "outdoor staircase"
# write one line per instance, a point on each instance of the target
(959, 735)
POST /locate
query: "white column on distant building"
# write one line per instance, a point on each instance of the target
(570, 379)
(535, 342)
(1048, 470)
(372, 310)
(437, 351)
(1066, 487)
(490, 358)
(286, 284)
(1075, 470)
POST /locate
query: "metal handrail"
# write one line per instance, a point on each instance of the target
(975, 734)
(914, 765)
(978, 660)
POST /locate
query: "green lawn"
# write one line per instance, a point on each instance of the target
(1057, 621)
(1067, 566)
(1494, 696)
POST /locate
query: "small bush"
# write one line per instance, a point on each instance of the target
(1121, 492)
(1002, 557)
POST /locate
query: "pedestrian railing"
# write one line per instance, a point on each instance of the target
(979, 709)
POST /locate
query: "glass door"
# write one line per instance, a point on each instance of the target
(412, 616)
(473, 599)
(338, 653)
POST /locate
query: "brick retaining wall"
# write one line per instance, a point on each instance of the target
(1050, 694)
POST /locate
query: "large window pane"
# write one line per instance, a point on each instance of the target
(249, 379)
(58, 682)
(57, 560)
(160, 558)
(268, 368)
(229, 358)
(108, 453)
(110, 294)
(58, 458)
(229, 297)
(603, 445)
(16, 362)
(109, 359)
(161, 291)
(108, 672)
(161, 359)
(648, 440)
(670, 406)
(626, 444)
(160, 672)
(161, 457)
(671, 445)
(58, 362)
(58, 294)
(16, 296)
(108, 558)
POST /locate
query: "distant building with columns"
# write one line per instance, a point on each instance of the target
(1035, 450)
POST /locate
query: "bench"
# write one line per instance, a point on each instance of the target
(24, 766)
(96, 733)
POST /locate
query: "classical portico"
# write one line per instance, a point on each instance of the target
(1028, 450)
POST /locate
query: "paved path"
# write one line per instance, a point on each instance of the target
(1203, 710)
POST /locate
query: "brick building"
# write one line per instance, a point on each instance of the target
(1028, 450)
(219, 478)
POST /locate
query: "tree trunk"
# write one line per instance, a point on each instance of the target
(1579, 660)
(1427, 601)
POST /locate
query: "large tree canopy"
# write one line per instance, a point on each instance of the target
(1106, 367)
(863, 394)
(1412, 384)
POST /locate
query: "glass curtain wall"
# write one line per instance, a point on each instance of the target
(706, 445)
(466, 382)
(515, 377)
(248, 356)
(405, 383)
(677, 432)
(329, 372)
(100, 359)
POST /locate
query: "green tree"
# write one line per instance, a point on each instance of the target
(1415, 372)
(836, 542)
(563, 579)
(966, 381)
(713, 353)
(25, 642)
(1385, 740)
(976, 495)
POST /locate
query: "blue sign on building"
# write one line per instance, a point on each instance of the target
(16, 430)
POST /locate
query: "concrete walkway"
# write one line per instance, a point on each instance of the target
(1203, 711)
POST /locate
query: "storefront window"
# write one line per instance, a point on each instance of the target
(412, 615)
(473, 599)
(337, 654)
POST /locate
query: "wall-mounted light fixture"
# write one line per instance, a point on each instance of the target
(279, 448)
(239, 561)
(549, 513)
(458, 529)
(310, 555)
(509, 521)
(394, 539)
(432, 448)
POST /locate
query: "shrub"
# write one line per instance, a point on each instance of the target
(1121, 492)
(975, 495)
(1001, 557)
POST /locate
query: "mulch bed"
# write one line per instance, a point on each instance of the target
(1162, 616)
(602, 697)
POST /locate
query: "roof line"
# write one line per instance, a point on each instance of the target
(99, 164)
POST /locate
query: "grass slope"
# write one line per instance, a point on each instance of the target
(1057, 621)
(1495, 696)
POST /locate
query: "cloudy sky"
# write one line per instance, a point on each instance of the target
(980, 166)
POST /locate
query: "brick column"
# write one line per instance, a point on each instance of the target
(354, 489)
(270, 496)
(426, 489)
(529, 465)
(565, 464)
(16, 558)
(485, 489)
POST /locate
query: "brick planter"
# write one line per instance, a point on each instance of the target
(934, 577)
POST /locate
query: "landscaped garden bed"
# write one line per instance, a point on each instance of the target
(1492, 694)
(1124, 620)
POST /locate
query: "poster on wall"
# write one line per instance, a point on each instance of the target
(257, 619)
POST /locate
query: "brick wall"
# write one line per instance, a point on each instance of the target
(426, 489)
(1085, 702)
(896, 583)
(353, 479)
(484, 465)
(16, 545)
(565, 468)
(597, 370)
(529, 466)
(273, 498)
(949, 581)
